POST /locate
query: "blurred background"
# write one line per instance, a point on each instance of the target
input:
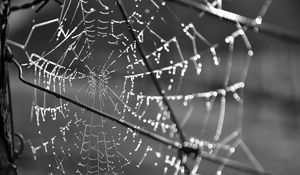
(271, 121)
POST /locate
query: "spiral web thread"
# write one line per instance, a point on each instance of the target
(91, 57)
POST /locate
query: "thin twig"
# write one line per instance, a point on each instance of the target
(266, 28)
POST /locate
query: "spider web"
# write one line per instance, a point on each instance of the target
(88, 54)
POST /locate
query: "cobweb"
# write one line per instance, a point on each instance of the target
(84, 50)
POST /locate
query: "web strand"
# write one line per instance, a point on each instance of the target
(98, 58)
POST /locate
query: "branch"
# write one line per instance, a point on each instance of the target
(268, 29)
